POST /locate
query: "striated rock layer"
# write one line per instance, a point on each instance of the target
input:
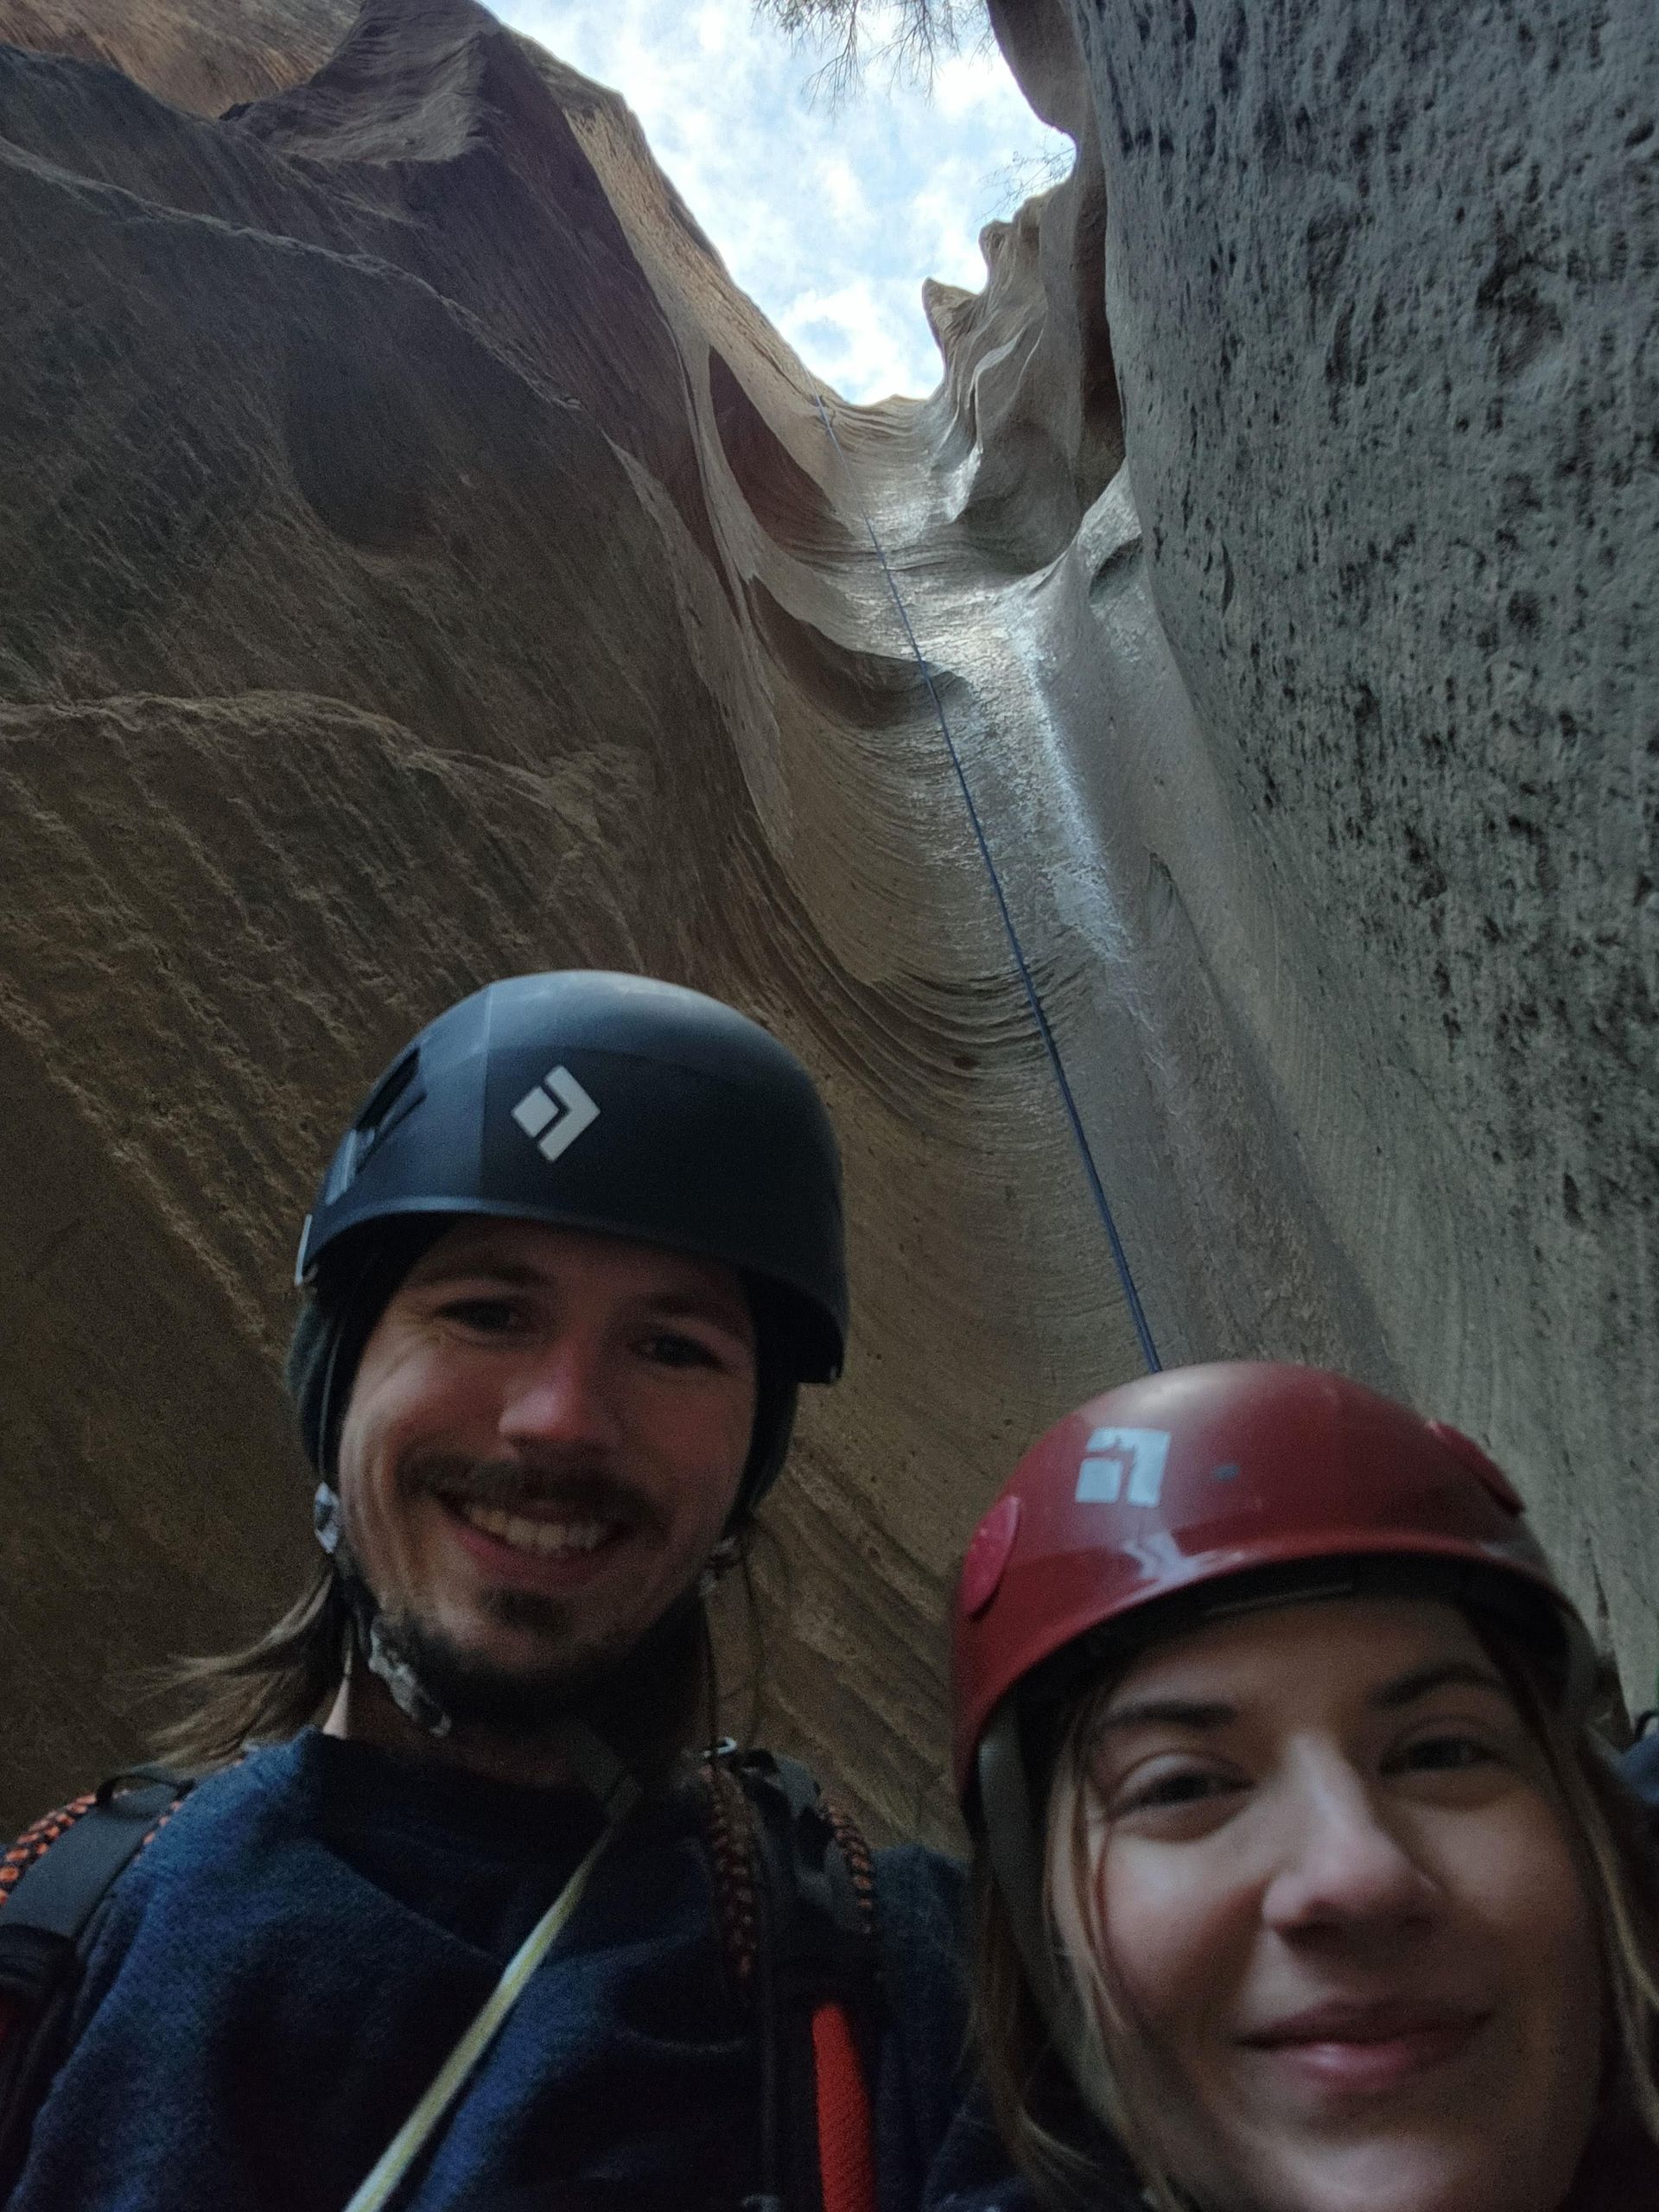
(200, 57)
(419, 562)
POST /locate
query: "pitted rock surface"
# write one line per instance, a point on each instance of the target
(1383, 291)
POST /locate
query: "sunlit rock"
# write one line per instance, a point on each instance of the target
(422, 563)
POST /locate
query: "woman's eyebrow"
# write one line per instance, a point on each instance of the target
(1210, 1713)
(1167, 1712)
(1404, 1690)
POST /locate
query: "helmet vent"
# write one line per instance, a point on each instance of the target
(395, 1098)
(988, 1555)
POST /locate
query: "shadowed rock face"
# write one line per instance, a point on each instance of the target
(1381, 286)
(420, 564)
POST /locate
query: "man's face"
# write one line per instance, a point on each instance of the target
(543, 1442)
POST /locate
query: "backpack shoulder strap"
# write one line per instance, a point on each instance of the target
(55, 1876)
(730, 1827)
(795, 1898)
(767, 1821)
(28, 1959)
(52, 1882)
(20, 1856)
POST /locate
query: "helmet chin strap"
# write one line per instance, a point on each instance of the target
(600, 1771)
(375, 1639)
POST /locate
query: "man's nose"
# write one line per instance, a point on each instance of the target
(560, 1396)
(1340, 1858)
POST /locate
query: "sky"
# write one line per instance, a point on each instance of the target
(829, 215)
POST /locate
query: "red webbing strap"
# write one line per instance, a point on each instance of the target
(846, 2162)
(16, 1862)
(21, 1856)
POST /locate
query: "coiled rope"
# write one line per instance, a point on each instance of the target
(1033, 998)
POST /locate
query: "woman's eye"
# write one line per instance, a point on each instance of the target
(1179, 1786)
(1444, 1755)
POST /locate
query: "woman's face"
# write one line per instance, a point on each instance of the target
(1323, 1874)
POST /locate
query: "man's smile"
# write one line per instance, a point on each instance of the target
(530, 1532)
(539, 1530)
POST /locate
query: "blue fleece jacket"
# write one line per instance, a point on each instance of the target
(1640, 1768)
(282, 1971)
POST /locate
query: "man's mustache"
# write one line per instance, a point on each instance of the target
(580, 1489)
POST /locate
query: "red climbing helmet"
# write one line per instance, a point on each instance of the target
(1267, 1479)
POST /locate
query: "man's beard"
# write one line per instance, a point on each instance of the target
(512, 1701)
(641, 1693)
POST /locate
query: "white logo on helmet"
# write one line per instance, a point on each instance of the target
(554, 1112)
(1127, 1463)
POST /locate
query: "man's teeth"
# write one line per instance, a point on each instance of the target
(549, 1538)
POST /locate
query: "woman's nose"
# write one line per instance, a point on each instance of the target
(1339, 1860)
(561, 1396)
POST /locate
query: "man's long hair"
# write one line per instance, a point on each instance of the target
(267, 1691)
(288, 1678)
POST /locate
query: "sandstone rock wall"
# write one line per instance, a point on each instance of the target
(196, 57)
(1349, 686)
(420, 562)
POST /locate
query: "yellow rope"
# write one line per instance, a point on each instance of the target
(407, 2145)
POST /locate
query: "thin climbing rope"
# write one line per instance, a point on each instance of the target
(1033, 1000)
(383, 2183)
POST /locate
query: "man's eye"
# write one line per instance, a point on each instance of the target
(668, 1348)
(489, 1317)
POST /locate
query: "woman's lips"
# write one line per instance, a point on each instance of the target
(1364, 2049)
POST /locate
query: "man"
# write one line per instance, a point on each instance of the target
(487, 1937)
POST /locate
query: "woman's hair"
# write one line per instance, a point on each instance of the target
(1044, 2119)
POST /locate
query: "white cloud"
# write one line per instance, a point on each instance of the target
(831, 217)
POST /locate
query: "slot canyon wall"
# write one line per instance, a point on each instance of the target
(1361, 721)
(418, 561)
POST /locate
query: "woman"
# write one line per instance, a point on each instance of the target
(1304, 1887)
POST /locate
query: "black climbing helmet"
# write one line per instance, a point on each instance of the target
(589, 1101)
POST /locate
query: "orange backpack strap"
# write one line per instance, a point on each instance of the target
(21, 1855)
(795, 1900)
(846, 2125)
